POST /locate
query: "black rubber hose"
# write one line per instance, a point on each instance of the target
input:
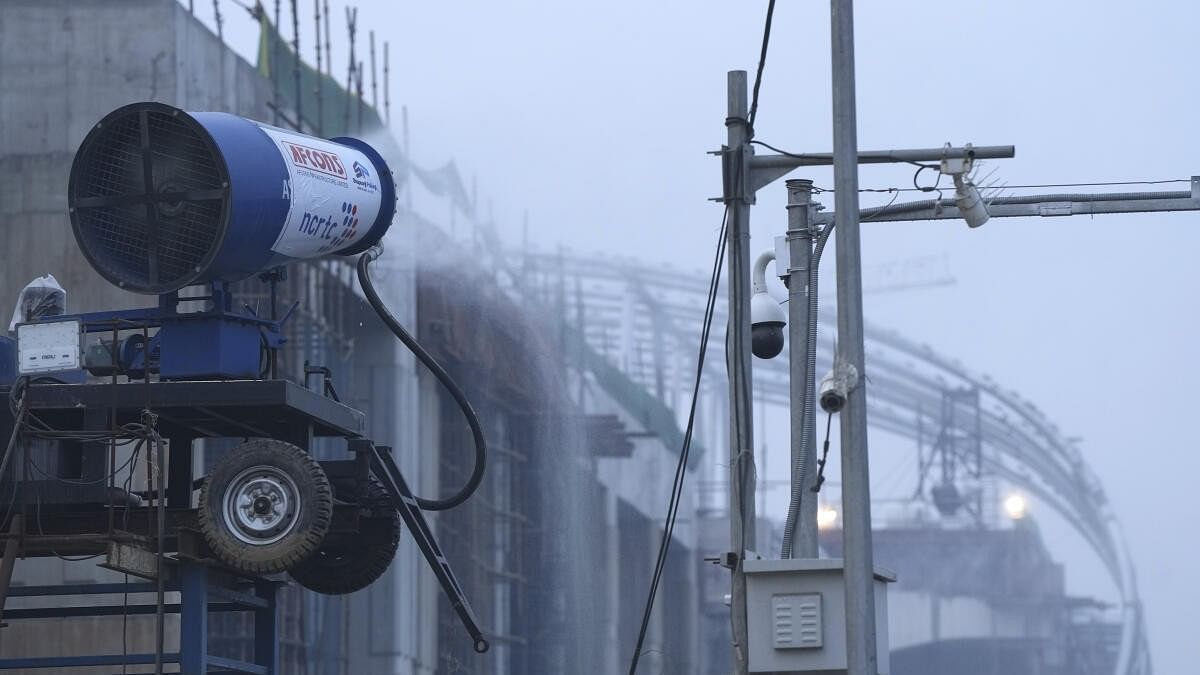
(364, 279)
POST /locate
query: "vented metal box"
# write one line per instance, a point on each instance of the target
(796, 615)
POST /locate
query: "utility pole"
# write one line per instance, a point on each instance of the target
(801, 538)
(737, 198)
(856, 489)
(744, 174)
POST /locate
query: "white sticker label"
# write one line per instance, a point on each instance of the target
(335, 195)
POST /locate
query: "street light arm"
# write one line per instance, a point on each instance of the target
(796, 160)
(766, 169)
(1047, 205)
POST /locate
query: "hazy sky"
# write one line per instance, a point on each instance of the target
(595, 116)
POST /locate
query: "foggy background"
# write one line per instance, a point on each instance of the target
(594, 117)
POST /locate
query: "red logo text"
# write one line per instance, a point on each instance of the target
(317, 160)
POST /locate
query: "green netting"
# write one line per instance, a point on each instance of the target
(646, 408)
(333, 120)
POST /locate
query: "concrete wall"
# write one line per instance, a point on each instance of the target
(64, 64)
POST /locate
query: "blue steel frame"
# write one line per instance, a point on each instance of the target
(218, 343)
(199, 596)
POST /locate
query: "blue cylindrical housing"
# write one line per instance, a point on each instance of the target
(161, 198)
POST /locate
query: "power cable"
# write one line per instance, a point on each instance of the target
(472, 484)
(824, 455)
(664, 545)
(160, 589)
(762, 63)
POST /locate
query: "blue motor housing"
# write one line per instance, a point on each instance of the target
(161, 198)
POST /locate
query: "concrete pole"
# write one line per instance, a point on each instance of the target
(802, 382)
(856, 492)
(741, 436)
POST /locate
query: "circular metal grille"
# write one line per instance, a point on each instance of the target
(149, 198)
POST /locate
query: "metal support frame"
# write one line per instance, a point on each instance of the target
(406, 502)
(743, 175)
(202, 591)
(186, 411)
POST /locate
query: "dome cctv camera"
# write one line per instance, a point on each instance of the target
(767, 320)
(766, 326)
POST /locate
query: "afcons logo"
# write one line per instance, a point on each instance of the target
(320, 161)
(360, 171)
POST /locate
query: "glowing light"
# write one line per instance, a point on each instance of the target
(1015, 506)
(826, 517)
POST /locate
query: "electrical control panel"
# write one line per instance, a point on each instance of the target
(49, 347)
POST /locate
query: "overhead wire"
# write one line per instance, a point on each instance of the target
(664, 545)
(709, 310)
(762, 64)
(824, 454)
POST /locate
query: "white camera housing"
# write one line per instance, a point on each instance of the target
(835, 387)
(767, 319)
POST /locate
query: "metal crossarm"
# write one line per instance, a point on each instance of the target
(406, 503)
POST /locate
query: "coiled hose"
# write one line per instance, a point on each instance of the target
(800, 464)
(472, 484)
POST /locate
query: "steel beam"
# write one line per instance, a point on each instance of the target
(1044, 206)
(765, 169)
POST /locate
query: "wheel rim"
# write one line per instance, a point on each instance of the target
(261, 506)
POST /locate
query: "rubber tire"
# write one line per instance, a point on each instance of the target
(315, 499)
(349, 562)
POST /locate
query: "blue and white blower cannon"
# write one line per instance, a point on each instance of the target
(162, 200)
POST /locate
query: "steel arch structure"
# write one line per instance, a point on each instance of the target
(646, 321)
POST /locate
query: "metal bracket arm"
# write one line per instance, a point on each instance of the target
(769, 168)
(735, 174)
(1045, 206)
(406, 503)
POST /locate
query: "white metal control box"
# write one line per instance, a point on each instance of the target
(796, 616)
(49, 347)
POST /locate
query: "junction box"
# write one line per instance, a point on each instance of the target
(796, 615)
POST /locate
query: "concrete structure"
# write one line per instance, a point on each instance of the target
(581, 397)
(973, 441)
(64, 66)
(556, 550)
